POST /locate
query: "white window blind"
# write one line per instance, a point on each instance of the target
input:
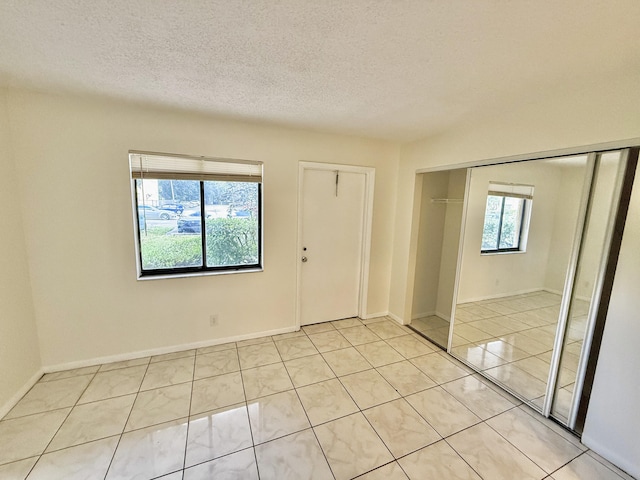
(180, 167)
(511, 190)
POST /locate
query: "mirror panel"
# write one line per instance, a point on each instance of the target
(509, 291)
(603, 201)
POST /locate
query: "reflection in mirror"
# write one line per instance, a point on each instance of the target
(603, 199)
(437, 252)
(519, 233)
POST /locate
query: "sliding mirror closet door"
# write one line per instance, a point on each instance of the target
(584, 294)
(521, 226)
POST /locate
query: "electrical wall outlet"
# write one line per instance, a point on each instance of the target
(213, 319)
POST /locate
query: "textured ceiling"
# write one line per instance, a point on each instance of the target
(381, 68)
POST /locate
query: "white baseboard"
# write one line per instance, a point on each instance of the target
(424, 314)
(162, 350)
(396, 318)
(9, 404)
(443, 316)
(374, 315)
(501, 295)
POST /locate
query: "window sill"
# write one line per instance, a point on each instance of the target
(487, 254)
(198, 274)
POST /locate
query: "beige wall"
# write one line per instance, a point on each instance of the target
(429, 248)
(72, 163)
(19, 354)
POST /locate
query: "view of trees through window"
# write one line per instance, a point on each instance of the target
(502, 223)
(170, 219)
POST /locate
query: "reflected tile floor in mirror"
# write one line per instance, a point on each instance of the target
(341, 400)
(511, 340)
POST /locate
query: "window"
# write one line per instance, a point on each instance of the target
(196, 215)
(506, 218)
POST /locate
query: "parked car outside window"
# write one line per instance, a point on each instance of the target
(153, 213)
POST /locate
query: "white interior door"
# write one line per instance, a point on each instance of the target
(333, 215)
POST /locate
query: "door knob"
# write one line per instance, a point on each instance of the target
(304, 259)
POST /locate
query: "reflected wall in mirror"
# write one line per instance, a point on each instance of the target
(510, 291)
(441, 204)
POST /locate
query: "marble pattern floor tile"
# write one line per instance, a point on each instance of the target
(191, 420)
(347, 323)
(478, 397)
(160, 405)
(308, 370)
(150, 452)
(168, 372)
(216, 363)
(216, 348)
(405, 377)
(437, 462)
(547, 449)
(136, 362)
(25, 437)
(410, 346)
(218, 433)
(585, 467)
(369, 388)
(296, 347)
(351, 446)
(17, 470)
(216, 392)
(93, 421)
(318, 328)
(88, 461)
(258, 355)
(346, 361)
(390, 471)
(276, 416)
(359, 335)
(294, 457)
(400, 427)
(47, 377)
(443, 412)
(492, 456)
(329, 340)
(379, 353)
(326, 401)
(387, 329)
(266, 380)
(237, 466)
(114, 383)
(438, 368)
(51, 395)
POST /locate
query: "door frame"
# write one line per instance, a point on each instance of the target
(367, 223)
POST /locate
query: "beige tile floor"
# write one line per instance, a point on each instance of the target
(510, 339)
(339, 400)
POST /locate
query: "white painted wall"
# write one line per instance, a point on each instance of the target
(451, 243)
(613, 421)
(430, 239)
(19, 354)
(71, 156)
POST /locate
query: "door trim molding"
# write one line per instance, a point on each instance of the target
(367, 225)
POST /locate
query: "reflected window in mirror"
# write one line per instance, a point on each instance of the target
(506, 220)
